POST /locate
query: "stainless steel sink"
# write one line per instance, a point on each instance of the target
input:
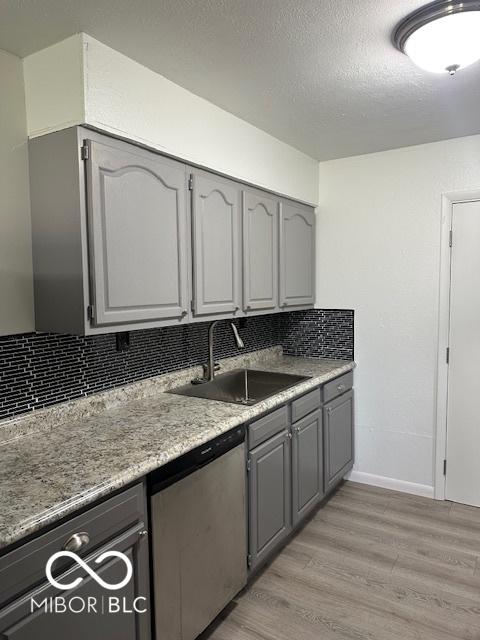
(241, 386)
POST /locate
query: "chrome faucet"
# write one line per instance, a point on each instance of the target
(210, 368)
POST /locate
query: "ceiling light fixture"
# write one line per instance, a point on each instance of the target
(442, 36)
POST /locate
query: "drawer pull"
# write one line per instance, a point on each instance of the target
(77, 541)
(341, 387)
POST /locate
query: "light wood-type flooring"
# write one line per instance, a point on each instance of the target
(372, 564)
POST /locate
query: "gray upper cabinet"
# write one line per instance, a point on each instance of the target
(269, 497)
(138, 234)
(216, 245)
(307, 465)
(260, 252)
(338, 426)
(120, 242)
(110, 235)
(297, 255)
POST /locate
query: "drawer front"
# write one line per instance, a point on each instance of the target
(266, 427)
(24, 567)
(305, 405)
(338, 386)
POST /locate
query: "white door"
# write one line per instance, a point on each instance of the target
(463, 416)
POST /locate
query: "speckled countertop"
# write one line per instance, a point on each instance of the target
(60, 459)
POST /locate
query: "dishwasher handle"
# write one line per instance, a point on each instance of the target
(193, 460)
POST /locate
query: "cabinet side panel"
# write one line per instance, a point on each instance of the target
(58, 261)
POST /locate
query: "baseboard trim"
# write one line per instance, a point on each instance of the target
(391, 483)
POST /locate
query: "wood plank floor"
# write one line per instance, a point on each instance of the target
(372, 564)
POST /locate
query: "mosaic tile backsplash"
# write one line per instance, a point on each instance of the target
(317, 333)
(38, 370)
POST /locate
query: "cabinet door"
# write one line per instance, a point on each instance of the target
(260, 252)
(24, 620)
(307, 465)
(216, 245)
(297, 255)
(269, 497)
(138, 235)
(338, 428)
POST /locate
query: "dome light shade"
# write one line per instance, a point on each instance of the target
(441, 37)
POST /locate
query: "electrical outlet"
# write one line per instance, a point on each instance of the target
(123, 341)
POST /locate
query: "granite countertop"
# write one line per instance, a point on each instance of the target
(67, 458)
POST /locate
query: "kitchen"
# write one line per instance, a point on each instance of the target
(299, 485)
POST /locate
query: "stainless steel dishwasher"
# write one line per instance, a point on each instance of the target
(199, 541)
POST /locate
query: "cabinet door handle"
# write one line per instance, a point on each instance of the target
(77, 541)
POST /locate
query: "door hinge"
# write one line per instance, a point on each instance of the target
(84, 152)
(444, 467)
(450, 238)
(190, 182)
(249, 561)
(249, 465)
(448, 355)
(91, 312)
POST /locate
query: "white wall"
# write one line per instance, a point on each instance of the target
(54, 87)
(378, 253)
(16, 288)
(80, 80)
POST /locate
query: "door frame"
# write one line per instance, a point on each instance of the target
(440, 450)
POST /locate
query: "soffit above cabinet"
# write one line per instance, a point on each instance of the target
(82, 81)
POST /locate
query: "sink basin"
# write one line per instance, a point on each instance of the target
(241, 386)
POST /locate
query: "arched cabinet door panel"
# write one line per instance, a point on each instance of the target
(297, 255)
(260, 252)
(137, 223)
(216, 245)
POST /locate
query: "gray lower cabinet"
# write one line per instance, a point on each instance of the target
(32, 607)
(216, 245)
(298, 454)
(269, 496)
(339, 438)
(137, 223)
(260, 252)
(297, 255)
(307, 465)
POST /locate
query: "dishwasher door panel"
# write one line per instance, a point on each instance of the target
(199, 546)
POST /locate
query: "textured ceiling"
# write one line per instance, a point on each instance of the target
(321, 75)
